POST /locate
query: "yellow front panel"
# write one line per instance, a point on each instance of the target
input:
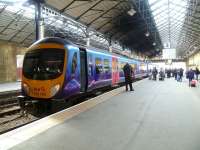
(42, 88)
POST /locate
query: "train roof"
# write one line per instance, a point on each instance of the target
(67, 42)
(53, 40)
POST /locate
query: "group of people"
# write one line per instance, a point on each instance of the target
(176, 73)
(153, 74)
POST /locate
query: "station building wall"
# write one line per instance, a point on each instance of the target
(8, 60)
(194, 61)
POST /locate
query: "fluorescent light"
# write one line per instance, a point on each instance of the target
(147, 34)
(131, 12)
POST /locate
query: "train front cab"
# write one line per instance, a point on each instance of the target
(43, 74)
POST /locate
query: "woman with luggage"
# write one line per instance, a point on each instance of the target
(190, 75)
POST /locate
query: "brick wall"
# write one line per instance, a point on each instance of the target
(8, 62)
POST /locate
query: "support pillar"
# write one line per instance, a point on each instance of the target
(88, 41)
(87, 38)
(39, 22)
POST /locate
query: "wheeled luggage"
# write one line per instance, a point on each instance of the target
(193, 83)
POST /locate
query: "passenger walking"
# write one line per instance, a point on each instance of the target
(175, 73)
(161, 75)
(180, 74)
(190, 75)
(154, 72)
(128, 71)
(197, 72)
(168, 73)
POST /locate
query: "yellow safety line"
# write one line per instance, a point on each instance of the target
(17, 136)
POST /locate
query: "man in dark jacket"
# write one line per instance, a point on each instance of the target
(180, 74)
(128, 71)
(190, 75)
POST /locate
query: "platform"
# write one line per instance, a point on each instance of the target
(156, 116)
(11, 86)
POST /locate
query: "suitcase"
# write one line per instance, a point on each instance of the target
(193, 83)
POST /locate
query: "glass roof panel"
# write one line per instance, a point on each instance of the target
(169, 16)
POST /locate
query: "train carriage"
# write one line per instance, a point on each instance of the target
(54, 68)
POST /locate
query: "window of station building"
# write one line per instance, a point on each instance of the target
(98, 66)
(107, 68)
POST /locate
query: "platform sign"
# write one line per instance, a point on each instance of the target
(169, 53)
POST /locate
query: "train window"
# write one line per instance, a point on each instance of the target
(43, 64)
(74, 63)
(107, 68)
(122, 65)
(98, 66)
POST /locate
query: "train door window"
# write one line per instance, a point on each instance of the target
(83, 70)
(90, 65)
(74, 63)
(98, 66)
(107, 68)
(122, 66)
(117, 67)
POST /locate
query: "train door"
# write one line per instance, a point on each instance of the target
(115, 71)
(83, 69)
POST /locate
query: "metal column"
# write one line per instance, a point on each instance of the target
(39, 23)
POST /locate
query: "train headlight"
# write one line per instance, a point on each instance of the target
(55, 89)
(26, 88)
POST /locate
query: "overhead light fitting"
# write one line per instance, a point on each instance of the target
(131, 12)
(147, 34)
(154, 44)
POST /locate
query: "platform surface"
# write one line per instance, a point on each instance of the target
(11, 86)
(156, 116)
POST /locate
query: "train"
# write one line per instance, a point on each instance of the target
(57, 69)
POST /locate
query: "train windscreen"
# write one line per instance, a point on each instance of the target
(43, 64)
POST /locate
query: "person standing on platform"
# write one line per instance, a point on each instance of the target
(154, 72)
(190, 76)
(197, 72)
(128, 71)
(180, 74)
(175, 74)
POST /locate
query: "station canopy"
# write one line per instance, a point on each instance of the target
(124, 23)
(178, 24)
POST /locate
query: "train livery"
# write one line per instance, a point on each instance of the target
(55, 69)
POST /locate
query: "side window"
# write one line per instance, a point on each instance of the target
(122, 66)
(107, 68)
(74, 63)
(98, 66)
(90, 65)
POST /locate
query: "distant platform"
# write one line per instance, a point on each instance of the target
(162, 115)
(11, 86)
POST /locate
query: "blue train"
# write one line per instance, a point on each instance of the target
(54, 68)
